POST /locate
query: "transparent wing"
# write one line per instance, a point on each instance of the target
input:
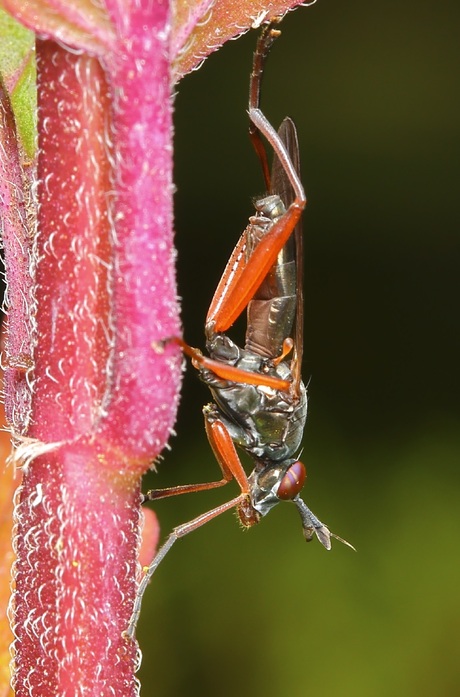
(280, 185)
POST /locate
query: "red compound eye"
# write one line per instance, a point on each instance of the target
(292, 482)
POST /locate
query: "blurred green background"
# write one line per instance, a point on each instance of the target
(374, 90)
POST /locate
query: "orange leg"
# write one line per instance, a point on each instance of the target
(268, 36)
(177, 533)
(229, 372)
(225, 454)
(224, 450)
(239, 288)
(230, 464)
(242, 277)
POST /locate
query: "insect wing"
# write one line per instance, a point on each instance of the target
(280, 185)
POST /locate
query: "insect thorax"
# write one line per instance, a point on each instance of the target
(266, 423)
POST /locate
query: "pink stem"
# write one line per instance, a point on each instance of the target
(105, 392)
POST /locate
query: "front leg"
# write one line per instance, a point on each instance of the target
(177, 533)
(226, 371)
(230, 464)
(225, 454)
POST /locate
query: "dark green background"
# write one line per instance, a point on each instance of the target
(374, 90)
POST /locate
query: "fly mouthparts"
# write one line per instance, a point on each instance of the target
(322, 533)
(313, 526)
(324, 536)
(344, 542)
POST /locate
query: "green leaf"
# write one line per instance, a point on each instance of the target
(17, 72)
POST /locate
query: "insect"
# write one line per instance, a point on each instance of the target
(259, 400)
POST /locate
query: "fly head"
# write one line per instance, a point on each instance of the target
(275, 482)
